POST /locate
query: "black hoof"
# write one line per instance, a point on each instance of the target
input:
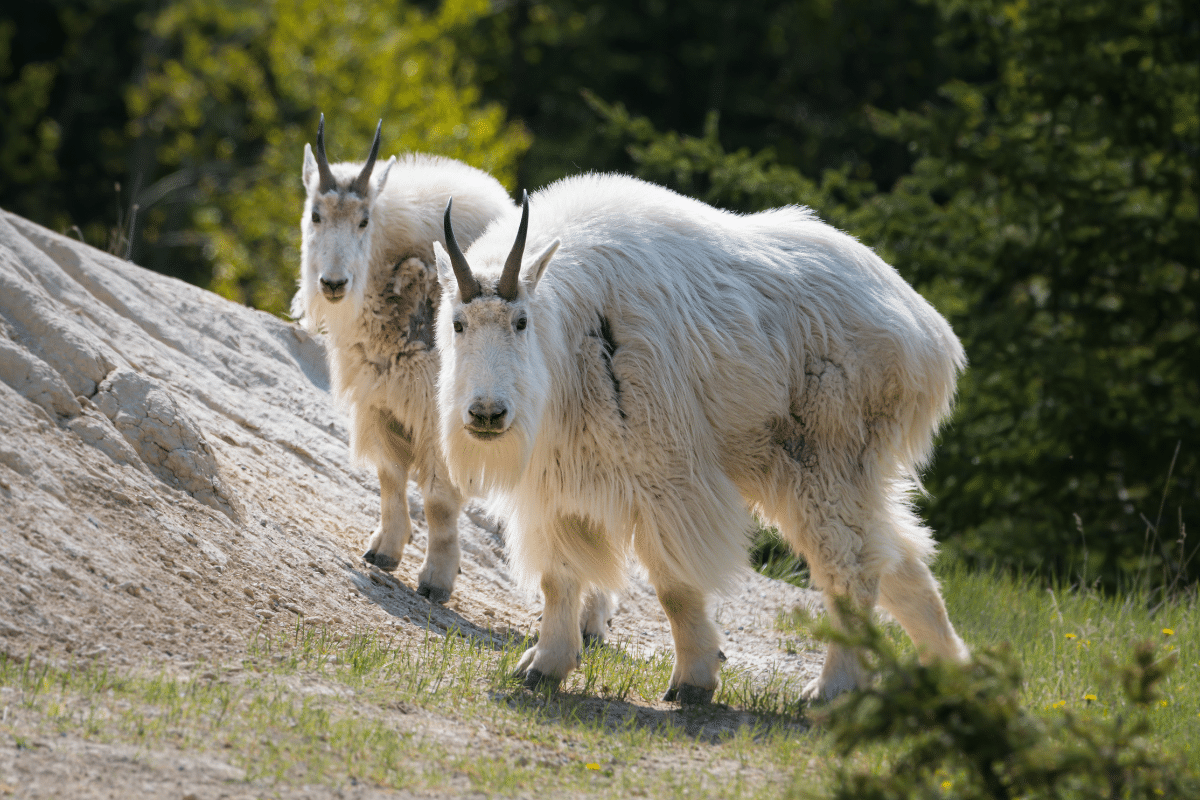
(385, 563)
(688, 695)
(694, 696)
(537, 681)
(435, 595)
(591, 640)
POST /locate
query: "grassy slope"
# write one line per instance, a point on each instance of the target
(310, 708)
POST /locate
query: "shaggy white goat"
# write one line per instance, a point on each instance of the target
(367, 279)
(658, 366)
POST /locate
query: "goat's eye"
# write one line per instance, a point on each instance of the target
(316, 217)
(521, 322)
(458, 326)
(363, 224)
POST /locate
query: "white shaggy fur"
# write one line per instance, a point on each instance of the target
(677, 366)
(380, 333)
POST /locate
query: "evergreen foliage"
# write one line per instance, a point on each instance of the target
(63, 64)
(794, 76)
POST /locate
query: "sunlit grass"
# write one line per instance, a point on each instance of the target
(442, 711)
(1070, 642)
(1067, 640)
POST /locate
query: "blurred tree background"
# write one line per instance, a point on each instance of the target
(182, 147)
(1030, 166)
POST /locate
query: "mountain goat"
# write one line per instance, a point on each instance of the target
(367, 280)
(661, 367)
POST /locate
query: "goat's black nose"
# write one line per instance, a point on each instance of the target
(487, 415)
(333, 289)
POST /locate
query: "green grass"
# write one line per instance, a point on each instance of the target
(1069, 642)
(438, 712)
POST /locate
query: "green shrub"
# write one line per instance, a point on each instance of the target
(961, 732)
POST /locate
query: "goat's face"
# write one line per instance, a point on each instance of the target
(336, 232)
(494, 382)
(336, 246)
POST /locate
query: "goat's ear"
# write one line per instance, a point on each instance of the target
(533, 273)
(383, 174)
(445, 270)
(310, 165)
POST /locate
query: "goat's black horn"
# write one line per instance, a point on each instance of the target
(328, 183)
(507, 288)
(468, 287)
(362, 182)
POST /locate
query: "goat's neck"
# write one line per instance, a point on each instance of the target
(395, 321)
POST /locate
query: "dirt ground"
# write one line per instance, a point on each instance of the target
(173, 472)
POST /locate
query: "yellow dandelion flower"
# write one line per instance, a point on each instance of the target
(1059, 704)
(1169, 631)
(946, 785)
(1070, 636)
(1089, 697)
(592, 766)
(1164, 703)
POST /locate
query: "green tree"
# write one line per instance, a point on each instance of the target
(1051, 214)
(62, 116)
(233, 93)
(793, 75)
(1058, 203)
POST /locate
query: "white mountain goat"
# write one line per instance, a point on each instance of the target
(367, 279)
(658, 366)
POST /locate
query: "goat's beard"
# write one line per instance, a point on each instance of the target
(336, 319)
(483, 467)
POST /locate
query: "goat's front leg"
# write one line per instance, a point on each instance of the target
(560, 644)
(442, 553)
(386, 545)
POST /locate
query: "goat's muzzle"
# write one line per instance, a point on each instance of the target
(334, 290)
(489, 419)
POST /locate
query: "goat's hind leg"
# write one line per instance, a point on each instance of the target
(442, 554)
(843, 669)
(598, 609)
(386, 545)
(910, 593)
(836, 550)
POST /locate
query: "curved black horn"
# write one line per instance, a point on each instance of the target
(468, 287)
(362, 182)
(327, 180)
(507, 288)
